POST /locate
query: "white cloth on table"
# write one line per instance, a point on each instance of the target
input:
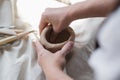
(19, 60)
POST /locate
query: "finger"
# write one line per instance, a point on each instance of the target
(38, 46)
(53, 36)
(57, 29)
(43, 24)
(66, 48)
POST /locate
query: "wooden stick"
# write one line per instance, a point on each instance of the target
(13, 38)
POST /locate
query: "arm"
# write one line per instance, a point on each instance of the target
(53, 63)
(60, 18)
(92, 8)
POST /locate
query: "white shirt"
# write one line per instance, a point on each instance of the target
(105, 61)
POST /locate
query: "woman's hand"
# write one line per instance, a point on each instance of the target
(57, 17)
(52, 63)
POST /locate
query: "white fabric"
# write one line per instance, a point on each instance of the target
(85, 30)
(105, 61)
(5, 17)
(31, 12)
(75, 1)
(69, 2)
(19, 61)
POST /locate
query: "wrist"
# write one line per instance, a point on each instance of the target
(56, 74)
(79, 10)
(70, 13)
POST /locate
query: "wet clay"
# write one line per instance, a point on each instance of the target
(61, 39)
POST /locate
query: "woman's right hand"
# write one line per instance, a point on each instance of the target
(57, 17)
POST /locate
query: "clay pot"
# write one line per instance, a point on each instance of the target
(61, 39)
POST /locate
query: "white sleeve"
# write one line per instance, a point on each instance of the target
(105, 60)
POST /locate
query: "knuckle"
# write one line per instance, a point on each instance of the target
(44, 14)
(47, 9)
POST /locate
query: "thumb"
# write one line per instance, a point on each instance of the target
(38, 46)
(66, 48)
(42, 24)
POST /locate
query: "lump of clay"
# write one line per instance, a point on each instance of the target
(61, 39)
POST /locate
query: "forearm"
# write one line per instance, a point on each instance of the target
(91, 8)
(56, 74)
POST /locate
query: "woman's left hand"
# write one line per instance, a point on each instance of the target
(52, 61)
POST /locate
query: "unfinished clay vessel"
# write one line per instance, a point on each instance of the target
(61, 39)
